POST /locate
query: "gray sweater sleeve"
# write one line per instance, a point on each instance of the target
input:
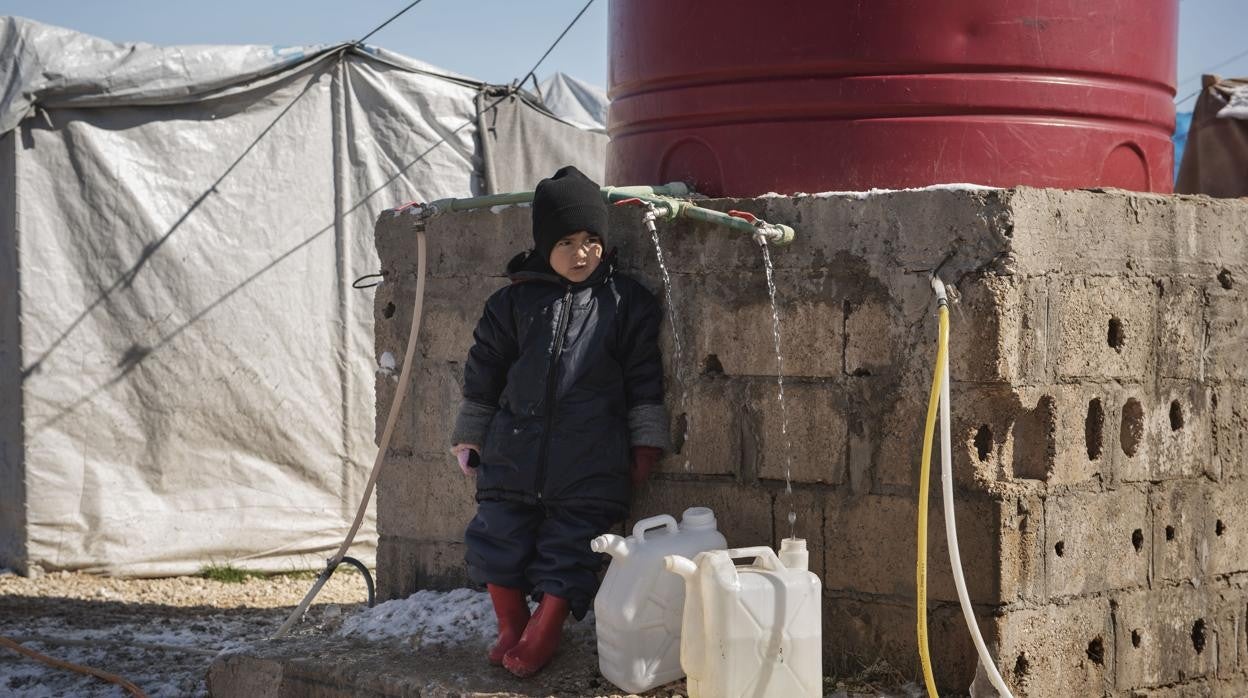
(472, 423)
(648, 426)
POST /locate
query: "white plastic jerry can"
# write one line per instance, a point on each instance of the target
(751, 629)
(638, 608)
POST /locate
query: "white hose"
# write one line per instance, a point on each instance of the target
(400, 393)
(951, 524)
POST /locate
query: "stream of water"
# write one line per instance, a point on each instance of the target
(677, 360)
(784, 414)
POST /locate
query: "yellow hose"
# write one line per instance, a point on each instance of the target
(920, 571)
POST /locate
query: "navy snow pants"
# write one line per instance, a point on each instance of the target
(540, 548)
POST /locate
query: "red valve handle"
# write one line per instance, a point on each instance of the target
(744, 215)
(626, 202)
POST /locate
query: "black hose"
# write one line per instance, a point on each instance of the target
(368, 578)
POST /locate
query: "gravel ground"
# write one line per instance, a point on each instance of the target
(159, 633)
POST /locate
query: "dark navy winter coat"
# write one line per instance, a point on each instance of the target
(564, 363)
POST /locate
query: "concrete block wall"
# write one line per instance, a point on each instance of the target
(1100, 419)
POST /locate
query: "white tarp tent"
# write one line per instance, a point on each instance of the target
(186, 373)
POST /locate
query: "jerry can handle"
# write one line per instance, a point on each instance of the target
(660, 521)
(762, 555)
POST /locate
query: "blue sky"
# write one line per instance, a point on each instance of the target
(494, 40)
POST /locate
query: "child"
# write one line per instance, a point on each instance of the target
(563, 407)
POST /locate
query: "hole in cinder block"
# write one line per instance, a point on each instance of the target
(1096, 650)
(1060, 548)
(1132, 431)
(1136, 638)
(1198, 635)
(1176, 416)
(682, 431)
(1225, 278)
(1219, 528)
(1137, 539)
(388, 311)
(1035, 440)
(1169, 532)
(1094, 429)
(1021, 666)
(1116, 336)
(711, 365)
(983, 442)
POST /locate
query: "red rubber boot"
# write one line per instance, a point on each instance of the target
(512, 611)
(540, 640)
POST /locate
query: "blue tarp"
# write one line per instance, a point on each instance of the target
(1182, 122)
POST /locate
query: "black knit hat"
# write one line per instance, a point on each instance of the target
(566, 203)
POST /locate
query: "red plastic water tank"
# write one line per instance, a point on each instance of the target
(741, 98)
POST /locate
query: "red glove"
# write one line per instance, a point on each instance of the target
(644, 460)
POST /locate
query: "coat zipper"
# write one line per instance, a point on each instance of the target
(551, 386)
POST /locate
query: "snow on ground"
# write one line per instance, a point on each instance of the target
(456, 617)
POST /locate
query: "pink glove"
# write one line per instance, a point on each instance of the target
(469, 457)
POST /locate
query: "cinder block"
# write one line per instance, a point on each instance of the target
(428, 414)
(857, 632)
(1178, 531)
(1227, 332)
(1057, 650)
(405, 566)
(1217, 229)
(1002, 433)
(1086, 438)
(1229, 611)
(872, 327)
(1225, 534)
(450, 313)
(425, 497)
(871, 548)
(729, 317)
(814, 448)
(1164, 636)
(744, 513)
(706, 430)
(1030, 449)
(1229, 408)
(998, 433)
(898, 438)
(1096, 542)
(1022, 547)
(1179, 427)
(1181, 330)
(998, 329)
(862, 447)
(1104, 327)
